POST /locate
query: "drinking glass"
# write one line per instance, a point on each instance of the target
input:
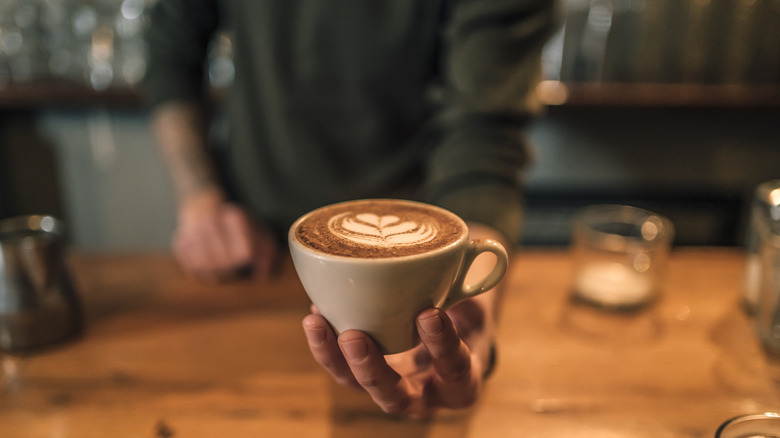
(764, 217)
(620, 254)
(768, 306)
(765, 425)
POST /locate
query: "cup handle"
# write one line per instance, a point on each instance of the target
(460, 291)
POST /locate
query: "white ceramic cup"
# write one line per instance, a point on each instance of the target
(383, 296)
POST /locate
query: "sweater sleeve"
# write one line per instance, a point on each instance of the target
(178, 38)
(490, 66)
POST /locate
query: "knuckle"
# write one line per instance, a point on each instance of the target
(345, 380)
(368, 382)
(396, 406)
(459, 369)
(241, 254)
(327, 364)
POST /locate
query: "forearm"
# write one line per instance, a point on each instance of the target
(180, 131)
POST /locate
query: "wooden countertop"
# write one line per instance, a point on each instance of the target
(165, 356)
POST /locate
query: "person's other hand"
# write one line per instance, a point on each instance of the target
(217, 241)
(445, 371)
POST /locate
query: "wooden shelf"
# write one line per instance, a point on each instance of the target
(659, 95)
(36, 95)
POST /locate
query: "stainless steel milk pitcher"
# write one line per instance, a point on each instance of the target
(38, 302)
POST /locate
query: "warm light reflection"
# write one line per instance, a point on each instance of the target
(132, 9)
(102, 43)
(649, 230)
(552, 92)
(683, 313)
(641, 262)
(774, 196)
(47, 224)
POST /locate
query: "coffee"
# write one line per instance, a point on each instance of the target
(379, 228)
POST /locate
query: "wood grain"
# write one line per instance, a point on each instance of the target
(166, 356)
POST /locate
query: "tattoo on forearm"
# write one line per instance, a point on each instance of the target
(180, 130)
(191, 171)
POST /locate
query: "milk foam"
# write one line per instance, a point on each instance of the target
(385, 231)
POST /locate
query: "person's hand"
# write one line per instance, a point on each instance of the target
(216, 241)
(445, 371)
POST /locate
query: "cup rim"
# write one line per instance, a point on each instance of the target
(745, 417)
(293, 241)
(587, 217)
(766, 203)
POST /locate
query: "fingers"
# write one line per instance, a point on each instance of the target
(469, 318)
(457, 379)
(442, 373)
(372, 372)
(325, 349)
(220, 244)
(236, 232)
(450, 355)
(354, 360)
(200, 248)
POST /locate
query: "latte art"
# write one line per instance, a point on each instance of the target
(379, 228)
(387, 230)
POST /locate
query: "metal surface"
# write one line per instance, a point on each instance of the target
(38, 303)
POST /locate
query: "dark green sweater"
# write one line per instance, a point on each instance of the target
(344, 99)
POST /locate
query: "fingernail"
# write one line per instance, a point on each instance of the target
(432, 324)
(355, 350)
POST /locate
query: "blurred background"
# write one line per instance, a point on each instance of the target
(671, 105)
